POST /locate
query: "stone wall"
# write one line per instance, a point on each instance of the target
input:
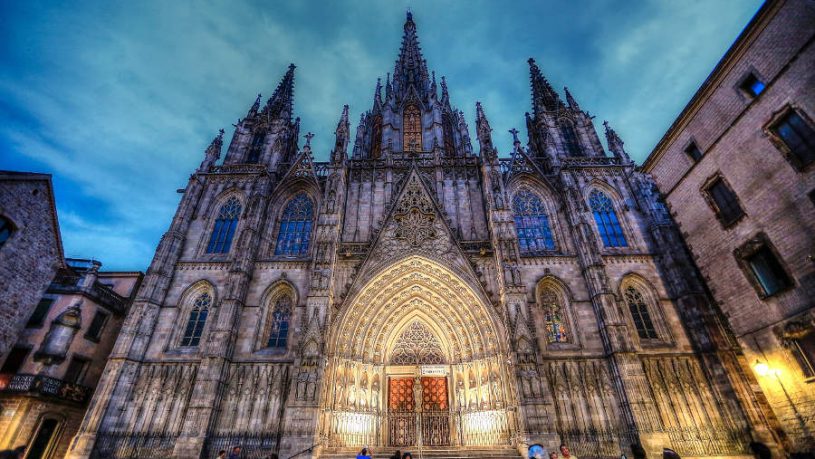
(731, 128)
(30, 257)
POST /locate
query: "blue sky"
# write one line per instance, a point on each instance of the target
(118, 100)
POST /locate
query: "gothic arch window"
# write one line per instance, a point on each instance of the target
(196, 320)
(256, 148)
(447, 130)
(608, 225)
(554, 317)
(570, 140)
(279, 327)
(638, 306)
(532, 223)
(412, 129)
(221, 238)
(294, 234)
(376, 138)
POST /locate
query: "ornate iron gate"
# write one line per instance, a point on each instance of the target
(432, 417)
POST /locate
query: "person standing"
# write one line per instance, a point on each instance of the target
(363, 454)
(565, 453)
(397, 455)
(236, 453)
(221, 454)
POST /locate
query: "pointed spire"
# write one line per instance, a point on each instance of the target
(483, 133)
(445, 96)
(570, 100)
(615, 144)
(378, 95)
(411, 68)
(213, 152)
(388, 87)
(544, 97)
(282, 101)
(255, 107)
(343, 134)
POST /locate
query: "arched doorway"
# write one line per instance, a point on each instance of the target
(417, 358)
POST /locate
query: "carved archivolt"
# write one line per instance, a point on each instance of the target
(415, 289)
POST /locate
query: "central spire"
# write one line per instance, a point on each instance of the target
(411, 68)
(282, 101)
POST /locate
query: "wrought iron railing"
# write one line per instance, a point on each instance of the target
(67, 283)
(254, 445)
(44, 385)
(115, 445)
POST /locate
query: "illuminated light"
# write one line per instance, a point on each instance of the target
(761, 368)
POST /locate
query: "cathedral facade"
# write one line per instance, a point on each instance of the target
(417, 292)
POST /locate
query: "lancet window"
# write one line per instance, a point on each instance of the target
(412, 129)
(447, 128)
(639, 312)
(570, 140)
(554, 317)
(279, 330)
(608, 225)
(295, 227)
(532, 223)
(196, 320)
(221, 238)
(256, 148)
(376, 138)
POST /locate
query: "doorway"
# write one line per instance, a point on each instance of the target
(424, 423)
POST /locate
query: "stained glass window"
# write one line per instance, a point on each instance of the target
(197, 320)
(606, 218)
(553, 316)
(570, 138)
(279, 331)
(640, 314)
(412, 126)
(224, 229)
(532, 223)
(295, 227)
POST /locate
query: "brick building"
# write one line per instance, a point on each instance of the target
(737, 170)
(47, 378)
(29, 238)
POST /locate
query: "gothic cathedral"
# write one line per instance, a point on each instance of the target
(414, 293)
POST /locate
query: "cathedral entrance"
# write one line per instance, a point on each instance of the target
(418, 411)
(417, 359)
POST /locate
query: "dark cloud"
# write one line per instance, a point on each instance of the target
(119, 99)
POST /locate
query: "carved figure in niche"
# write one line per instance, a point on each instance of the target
(340, 389)
(496, 390)
(375, 394)
(332, 202)
(417, 393)
(460, 395)
(363, 390)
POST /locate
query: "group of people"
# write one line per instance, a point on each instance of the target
(538, 452)
(396, 455)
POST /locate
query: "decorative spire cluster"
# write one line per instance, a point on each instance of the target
(411, 67)
(615, 143)
(281, 104)
(544, 97)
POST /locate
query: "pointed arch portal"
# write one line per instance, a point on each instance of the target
(417, 357)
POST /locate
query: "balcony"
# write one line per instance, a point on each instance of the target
(44, 385)
(65, 283)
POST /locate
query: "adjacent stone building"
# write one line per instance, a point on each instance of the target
(737, 170)
(48, 377)
(418, 291)
(30, 248)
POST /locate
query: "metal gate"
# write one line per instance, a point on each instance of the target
(404, 418)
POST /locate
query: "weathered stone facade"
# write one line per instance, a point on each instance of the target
(419, 293)
(65, 344)
(27, 208)
(736, 132)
